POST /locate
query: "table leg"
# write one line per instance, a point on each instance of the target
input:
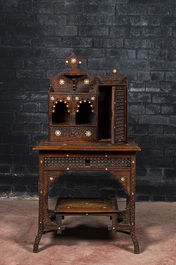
(132, 205)
(135, 242)
(37, 239)
(114, 224)
(59, 223)
(41, 189)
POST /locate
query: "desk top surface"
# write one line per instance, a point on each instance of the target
(45, 145)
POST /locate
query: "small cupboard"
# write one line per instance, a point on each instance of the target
(84, 108)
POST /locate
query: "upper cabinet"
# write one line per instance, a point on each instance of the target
(84, 108)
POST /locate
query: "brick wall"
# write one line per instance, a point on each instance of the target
(137, 36)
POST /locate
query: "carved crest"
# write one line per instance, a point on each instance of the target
(113, 78)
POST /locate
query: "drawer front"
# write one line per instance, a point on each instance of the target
(71, 133)
(86, 163)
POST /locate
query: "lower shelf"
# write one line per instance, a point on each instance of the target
(89, 206)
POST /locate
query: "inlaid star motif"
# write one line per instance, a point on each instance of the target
(88, 133)
(61, 82)
(58, 133)
(86, 81)
(73, 60)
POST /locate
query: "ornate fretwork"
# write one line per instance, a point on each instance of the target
(37, 239)
(126, 217)
(88, 118)
(73, 80)
(119, 112)
(56, 99)
(132, 190)
(41, 190)
(82, 162)
(113, 78)
(85, 133)
(81, 99)
(85, 82)
(134, 239)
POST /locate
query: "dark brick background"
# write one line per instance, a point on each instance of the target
(137, 36)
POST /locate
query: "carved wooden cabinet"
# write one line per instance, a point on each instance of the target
(88, 131)
(84, 108)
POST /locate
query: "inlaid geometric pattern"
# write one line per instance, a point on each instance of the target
(119, 110)
(85, 133)
(86, 162)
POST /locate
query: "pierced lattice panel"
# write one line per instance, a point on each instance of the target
(120, 115)
(87, 162)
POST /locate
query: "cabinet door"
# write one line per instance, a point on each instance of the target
(119, 114)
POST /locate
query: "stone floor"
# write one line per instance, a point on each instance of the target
(86, 239)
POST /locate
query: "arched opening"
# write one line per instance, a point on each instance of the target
(61, 114)
(85, 114)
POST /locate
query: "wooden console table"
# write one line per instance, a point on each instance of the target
(119, 159)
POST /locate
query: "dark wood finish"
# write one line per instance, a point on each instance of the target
(74, 117)
(119, 159)
(83, 206)
(88, 130)
(76, 98)
(88, 146)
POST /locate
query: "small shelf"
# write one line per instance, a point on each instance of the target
(93, 124)
(82, 205)
(61, 124)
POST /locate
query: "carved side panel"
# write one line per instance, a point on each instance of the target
(120, 113)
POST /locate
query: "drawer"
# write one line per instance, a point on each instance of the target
(73, 133)
(86, 162)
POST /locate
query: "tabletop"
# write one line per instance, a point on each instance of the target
(43, 145)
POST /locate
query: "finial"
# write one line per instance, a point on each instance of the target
(114, 70)
(73, 60)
